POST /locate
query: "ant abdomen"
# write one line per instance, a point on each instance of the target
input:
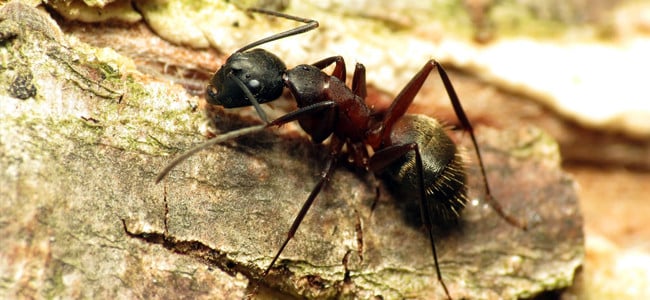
(443, 171)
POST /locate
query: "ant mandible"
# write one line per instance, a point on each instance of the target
(413, 149)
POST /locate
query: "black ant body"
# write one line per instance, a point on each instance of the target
(413, 149)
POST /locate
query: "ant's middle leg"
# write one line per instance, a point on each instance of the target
(335, 148)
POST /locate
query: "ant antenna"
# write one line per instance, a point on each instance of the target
(309, 25)
(219, 139)
(256, 104)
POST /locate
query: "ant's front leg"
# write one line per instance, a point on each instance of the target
(359, 81)
(358, 78)
(304, 112)
(339, 66)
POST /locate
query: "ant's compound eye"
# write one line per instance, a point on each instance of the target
(254, 84)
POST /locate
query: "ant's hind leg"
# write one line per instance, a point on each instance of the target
(382, 159)
(462, 117)
(381, 132)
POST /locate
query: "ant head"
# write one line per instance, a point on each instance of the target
(258, 71)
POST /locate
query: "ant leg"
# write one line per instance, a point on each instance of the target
(309, 25)
(335, 146)
(359, 81)
(403, 101)
(345, 260)
(339, 67)
(460, 114)
(303, 112)
(376, 201)
(385, 157)
(359, 230)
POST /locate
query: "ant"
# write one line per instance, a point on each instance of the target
(413, 150)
